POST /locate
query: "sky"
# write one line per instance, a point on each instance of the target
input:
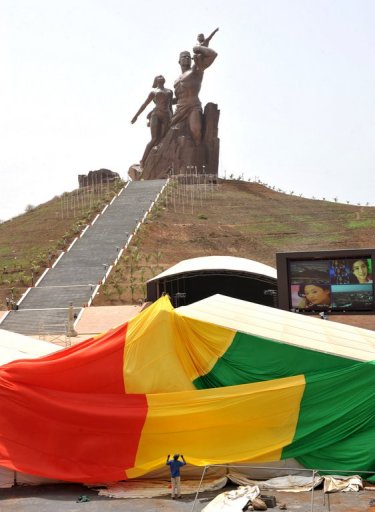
(294, 81)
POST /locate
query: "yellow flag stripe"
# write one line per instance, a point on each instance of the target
(250, 422)
(164, 351)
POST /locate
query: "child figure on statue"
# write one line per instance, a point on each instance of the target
(201, 41)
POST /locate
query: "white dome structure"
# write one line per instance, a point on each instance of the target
(197, 278)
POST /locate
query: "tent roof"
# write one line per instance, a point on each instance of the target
(165, 383)
(15, 346)
(284, 326)
(231, 263)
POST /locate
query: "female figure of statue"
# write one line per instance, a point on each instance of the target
(159, 118)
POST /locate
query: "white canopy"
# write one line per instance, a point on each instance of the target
(218, 263)
(284, 326)
(17, 346)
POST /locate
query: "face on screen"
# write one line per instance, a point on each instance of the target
(361, 270)
(316, 294)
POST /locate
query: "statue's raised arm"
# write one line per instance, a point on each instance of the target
(203, 57)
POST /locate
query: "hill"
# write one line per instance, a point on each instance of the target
(233, 218)
(228, 218)
(29, 243)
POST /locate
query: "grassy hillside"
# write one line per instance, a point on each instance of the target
(238, 219)
(30, 243)
(231, 218)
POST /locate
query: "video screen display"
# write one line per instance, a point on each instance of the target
(331, 284)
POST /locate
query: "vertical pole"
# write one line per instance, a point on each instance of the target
(312, 491)
(174, 192)
(192, 190)
(199, 487)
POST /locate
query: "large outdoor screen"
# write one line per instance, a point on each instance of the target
(339, 283)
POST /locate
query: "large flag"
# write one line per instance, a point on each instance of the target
(112, 407)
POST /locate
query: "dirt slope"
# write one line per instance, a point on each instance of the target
(238, 219)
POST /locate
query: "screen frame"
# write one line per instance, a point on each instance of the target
(284, 259)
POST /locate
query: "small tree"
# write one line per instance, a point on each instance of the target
(158, 257)
(133, 287)
(143, 285)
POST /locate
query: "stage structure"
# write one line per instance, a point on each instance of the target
(197, 278)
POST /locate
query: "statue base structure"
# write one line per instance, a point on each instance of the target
(177, 153)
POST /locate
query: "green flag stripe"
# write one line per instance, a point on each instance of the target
(337, 420)
(336, 425)
(254, 359)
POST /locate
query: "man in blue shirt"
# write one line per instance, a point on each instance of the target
(174, 466)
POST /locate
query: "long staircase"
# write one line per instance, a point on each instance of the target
(73, 279)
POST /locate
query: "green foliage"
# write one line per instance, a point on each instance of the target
(365, 223)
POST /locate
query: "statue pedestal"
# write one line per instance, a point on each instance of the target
(177, 151)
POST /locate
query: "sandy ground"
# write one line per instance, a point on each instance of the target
(63, 498)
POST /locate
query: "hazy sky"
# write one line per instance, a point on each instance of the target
(294, 81)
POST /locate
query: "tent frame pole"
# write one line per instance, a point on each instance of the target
(199, 488)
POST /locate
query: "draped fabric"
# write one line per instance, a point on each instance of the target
(112, 407)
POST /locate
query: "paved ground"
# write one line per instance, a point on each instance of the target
(95, 320)
(63, 498)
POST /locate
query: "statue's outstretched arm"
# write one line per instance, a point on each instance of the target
(142, 107)
(203, 57)
(208, 39)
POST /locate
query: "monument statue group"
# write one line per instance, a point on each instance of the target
(183, 135)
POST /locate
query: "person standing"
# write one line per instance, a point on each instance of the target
(174, 466)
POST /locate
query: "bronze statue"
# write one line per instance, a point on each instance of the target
(188, 137)
(159, 118)
(187, 87)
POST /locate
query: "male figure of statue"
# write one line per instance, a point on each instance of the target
(187, 87)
